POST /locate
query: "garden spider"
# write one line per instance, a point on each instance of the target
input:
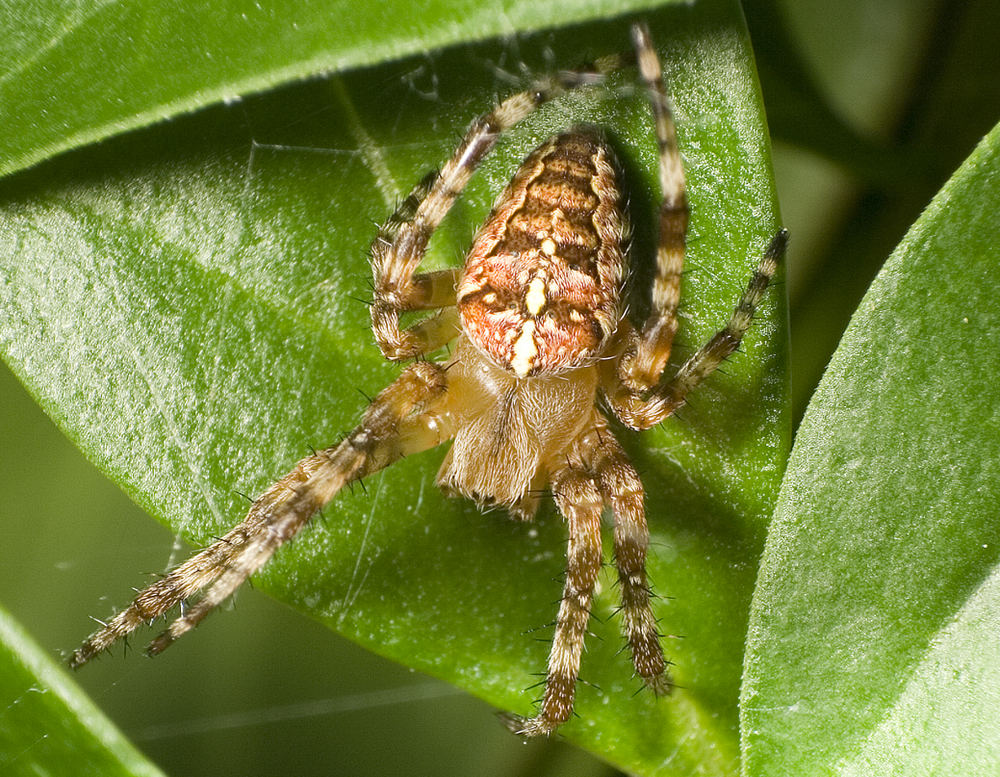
(537, 318)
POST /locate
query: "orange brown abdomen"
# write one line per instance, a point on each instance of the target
(541, 287)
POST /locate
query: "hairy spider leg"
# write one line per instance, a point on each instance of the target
(639, 412)
(646, 352)
(399, 421)
(426, 291)
(579, 500)
(622, 489)
(598, 473)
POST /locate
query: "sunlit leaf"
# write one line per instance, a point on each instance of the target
(873, 644)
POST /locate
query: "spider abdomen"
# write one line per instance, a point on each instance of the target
(541, 287)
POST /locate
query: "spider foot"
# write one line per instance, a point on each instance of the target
(661, 684)
(83, 654)
(527, 727)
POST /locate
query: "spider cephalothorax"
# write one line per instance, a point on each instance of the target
(540, 335)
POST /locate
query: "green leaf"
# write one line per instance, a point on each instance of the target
(77, 73)
(47, 725)
(872, 646)
(184, 302)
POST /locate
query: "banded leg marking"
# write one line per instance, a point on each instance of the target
(638, 412)
(580, 502)
(622, 489)
(394, 425)
(646, 356)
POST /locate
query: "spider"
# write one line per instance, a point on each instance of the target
(540, 333)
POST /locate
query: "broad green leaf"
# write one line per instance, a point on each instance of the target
(75, 73)
(47, 725)
(873, 642)
(186, 303)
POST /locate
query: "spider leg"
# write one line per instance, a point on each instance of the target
(647, 352)
(402, 241)
(426, 291)
(639, 411)
(633, 383)
(621, 488)
(579, 500)
(402, 419)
